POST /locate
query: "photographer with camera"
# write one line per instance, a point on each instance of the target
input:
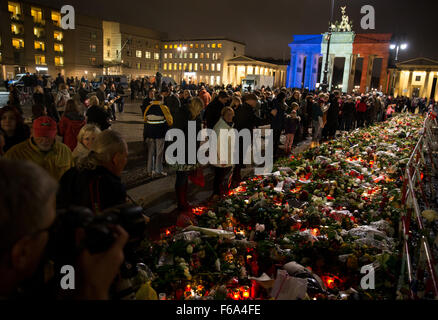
(95, 182)
(27, 213)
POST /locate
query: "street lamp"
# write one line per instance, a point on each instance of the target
(397, 47)
(329, 36)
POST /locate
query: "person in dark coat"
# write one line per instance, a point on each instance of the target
(188, 112)
(244, 118)
(13, 126)
(100, 93)
(213, 110)
(171, 100)
(83, 93)
(291, 123)
(95, 182)
(348, 111)
(329, 130)
(278, 114)
(98, 115)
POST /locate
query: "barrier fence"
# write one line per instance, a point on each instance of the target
(418, 263)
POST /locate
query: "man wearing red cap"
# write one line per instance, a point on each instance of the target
(43, 149)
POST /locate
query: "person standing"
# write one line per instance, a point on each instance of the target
(292, 122)
(171, 100)
(157, 120)
(188, 113)
(332, 116)
(361, 110)
(348, 111)
(223, 128)
(278, 113)
(317, 119)
(213, 110)
(13, 126)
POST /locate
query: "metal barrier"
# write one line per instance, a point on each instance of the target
(417, 171)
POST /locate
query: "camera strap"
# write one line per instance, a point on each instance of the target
(94, 190)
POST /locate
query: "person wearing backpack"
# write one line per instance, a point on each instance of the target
(61, 98)
(70, 124)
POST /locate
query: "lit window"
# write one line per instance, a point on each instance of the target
(147, 54)
(14, 8)
(218, 67)
(191, 55)
(37, 15)
(138, 53)
(165, 46)
(185, 66)
(157, 56)
(59, 61)
(40, 59)
(180, 66)
(196, 55)
(165, 66)
(207, 55)
(191, 46)
(165, 56)
(218, 80)
(39, 45)
(56, 18)
(196, 46)
(93, 61)
(213, 45)
(190, 66)
(202, 45)
(201, 67)
(170, 55)
(208, 45)
(58, 47)
(201, 55)
(185, 55)
(219, 45)
(17, 43)
(212, 67)
(92, 48)
(18, 29)
(171, 46)
(207, 67)
(170, 67)
(138, 65)
(196, 67)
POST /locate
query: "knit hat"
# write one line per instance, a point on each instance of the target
(44, 127)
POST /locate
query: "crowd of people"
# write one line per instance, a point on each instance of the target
(71, 157)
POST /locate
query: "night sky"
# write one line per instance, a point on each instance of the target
(267, 26)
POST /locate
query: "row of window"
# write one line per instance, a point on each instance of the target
(147, 54)
(129, 42)
(41, 60)
(194, 55)
(38, 45)
(37, 14)
(196, 46)
(212, 80)
(147, 66)
(192, 66)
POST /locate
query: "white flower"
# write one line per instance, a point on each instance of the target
(260, 227)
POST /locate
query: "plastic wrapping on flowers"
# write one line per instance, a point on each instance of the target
(332, 210)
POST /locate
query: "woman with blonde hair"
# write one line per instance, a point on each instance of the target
(95, 182)
(236, 102)
(85, 139)
(97, 114)
(188, 113)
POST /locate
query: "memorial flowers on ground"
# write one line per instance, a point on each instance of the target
(303, 232)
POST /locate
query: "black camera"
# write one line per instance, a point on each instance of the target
(64, 245)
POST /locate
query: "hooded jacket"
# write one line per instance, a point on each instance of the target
(69, 127)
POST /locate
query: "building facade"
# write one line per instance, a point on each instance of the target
(130, 50)
(239, 68)
(199, 60)
(416, 78)
(31, 39)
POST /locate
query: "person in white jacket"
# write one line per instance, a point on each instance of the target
(223, 128)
